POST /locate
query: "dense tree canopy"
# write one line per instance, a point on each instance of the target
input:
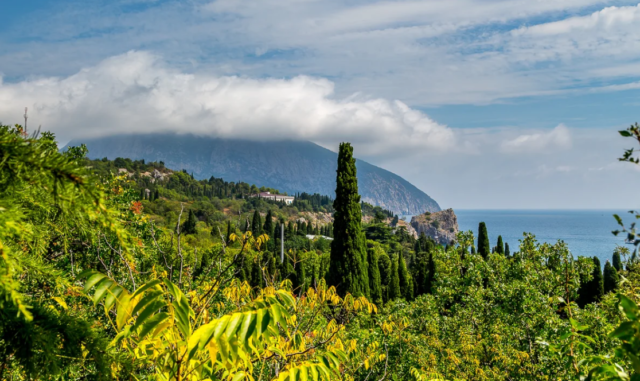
(100, 281)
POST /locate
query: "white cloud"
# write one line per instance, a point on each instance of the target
(421, 52)
(607, 18)
(137, 93)
(558, 138)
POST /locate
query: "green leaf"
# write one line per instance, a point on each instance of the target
(123, 314)
(314, 372)
(112, 296)
(147, 286)
(624, 330)
(95, 278)
(150, 297)
(263, 320)
(248, 327)
(625, 133)
(276, 310)
(152, 323)
(239, 376)
(234, 323)
(147, 312)
(629, 307)
(182, 316)
(221, 324)
(303, 375)
(101, 289)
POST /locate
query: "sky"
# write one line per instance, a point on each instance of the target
(482, 104)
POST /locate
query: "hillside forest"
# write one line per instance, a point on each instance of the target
(126, 270)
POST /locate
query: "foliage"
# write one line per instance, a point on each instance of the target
(500, 246)
(610, 278)
(484, 248)
(348, 251)
(375, 284)
(592, 287)
(98, 283)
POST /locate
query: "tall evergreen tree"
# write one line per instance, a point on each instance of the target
(156, 195)
(421, 273)
(617, 262)
(375, 285)
(431, 267)
(269, 264)
(592, 291)
(189, 226)
(256, 224)
(393, 290)
(229, 231)
(484, 248)
(406, 283)
(289, 232)
(301, 277)
(500, 246)
(348, 271)
(507, 252)
(384, 267)
(611, 278)
(257, 278)
(268, 224)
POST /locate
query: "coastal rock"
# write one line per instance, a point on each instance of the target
(441, 226)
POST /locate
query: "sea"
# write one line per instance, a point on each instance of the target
(586, 232)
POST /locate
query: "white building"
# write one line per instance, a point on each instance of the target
(275, 197)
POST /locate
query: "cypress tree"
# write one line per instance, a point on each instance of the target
(375, 285)
(507, 253)
(431, 267)
(257, 280)
(189, 227)
(598, 281)
(405, 281)
(473, 249)
(348, 269)
(288, 233)
(229, 231)
(301, 276)
(268, 224)
(394, 281)
(484, 248)
(256, 224)
(156, 195)
(269, 262)
(421, 273)
(244, 272)
(617, 262)
(611, 278)
(384, 267)
(592, 291)
(500, 246)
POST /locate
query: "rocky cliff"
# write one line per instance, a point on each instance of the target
(441, 226)
(289, 166)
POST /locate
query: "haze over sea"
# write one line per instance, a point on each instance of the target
(587, 232)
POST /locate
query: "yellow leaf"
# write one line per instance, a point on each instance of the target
(61, 302)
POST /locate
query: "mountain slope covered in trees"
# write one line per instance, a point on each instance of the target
(290, 166)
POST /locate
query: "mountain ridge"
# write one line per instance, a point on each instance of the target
(288, 165)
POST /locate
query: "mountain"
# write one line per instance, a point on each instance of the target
(290, 166)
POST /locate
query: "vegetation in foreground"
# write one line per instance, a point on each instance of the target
(93, 287)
